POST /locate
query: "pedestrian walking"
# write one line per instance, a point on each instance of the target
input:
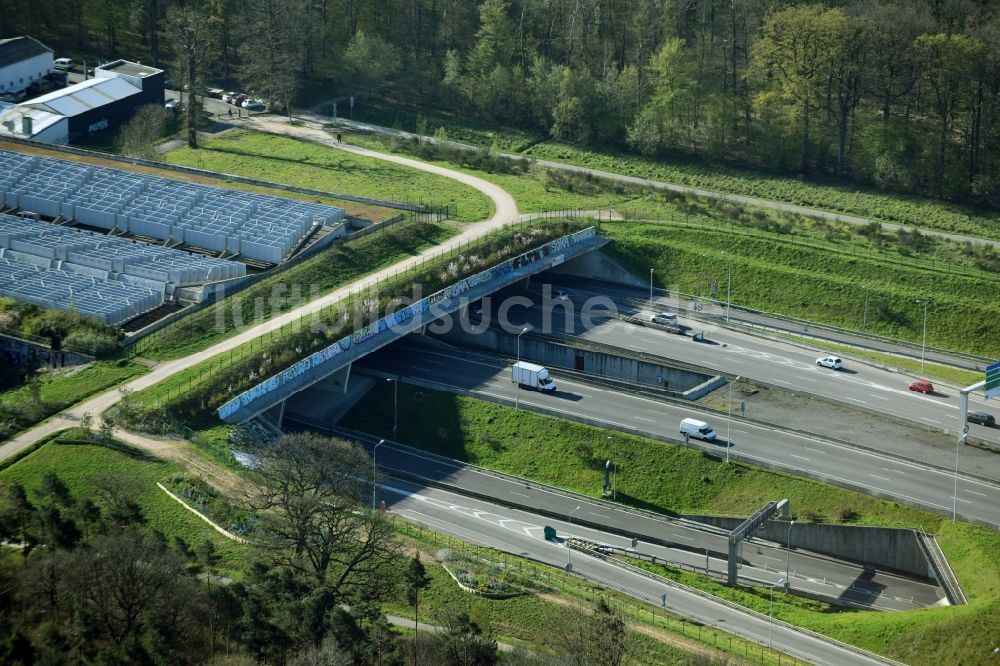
(340, 138)
(230, 113)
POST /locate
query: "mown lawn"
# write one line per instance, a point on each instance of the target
(306, 164)
(85, 467)
(676, 480)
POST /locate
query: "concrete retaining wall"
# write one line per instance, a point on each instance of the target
(599, 266)
(556, 355)
(18, 352)
(884, 547)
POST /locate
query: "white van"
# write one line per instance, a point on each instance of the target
(696, 428)
(62, 64)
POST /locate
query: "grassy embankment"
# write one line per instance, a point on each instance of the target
(88, 469)
(310, 279)
(818, 284)
(783, 262)
(306, 164)
(852, 199)
(192, 395)
(678, 480)
(372, 212)
(525, 619)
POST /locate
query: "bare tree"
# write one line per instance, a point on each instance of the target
(312, 491)
(189, 30)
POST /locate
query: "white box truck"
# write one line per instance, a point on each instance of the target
(532, 376)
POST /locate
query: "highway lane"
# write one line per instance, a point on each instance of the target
(481, 523)
(784, 365)
(691, 544)
(853, 468)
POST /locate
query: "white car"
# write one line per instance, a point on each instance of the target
(228, 96)
(253, 104)
(830, 362)
(172, 104)
(664, 319)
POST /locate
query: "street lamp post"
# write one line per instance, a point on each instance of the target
(788, 552)
(729, 289)
(729, 418)
(395, 405)
(569, 548)
(770, 614)
(650, 286)
(517, 384)
(864, 317)
(923, 344)
(614, 459)
(380, 443)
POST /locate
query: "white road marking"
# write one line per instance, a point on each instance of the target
(599, 515)
(880, 397)
(930, 420)
(973, 492)
(962, 500)
(519, 494)
(799, 457)
(813, 450)
(875, 476)
(642, 418)
(417, 367)
(860, 402)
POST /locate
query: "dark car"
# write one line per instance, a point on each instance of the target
(982, 418)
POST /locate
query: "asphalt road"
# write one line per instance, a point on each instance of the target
(782, 364)
(864, 471)
(686, 542)
(511, 531)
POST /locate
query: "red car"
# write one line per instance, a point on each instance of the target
(922, 386)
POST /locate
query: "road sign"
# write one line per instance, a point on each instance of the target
(992, 388)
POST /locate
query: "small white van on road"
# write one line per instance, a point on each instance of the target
(62, 64)
(699, 429)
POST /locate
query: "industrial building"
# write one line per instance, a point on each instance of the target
(23, 60)
(105, 102)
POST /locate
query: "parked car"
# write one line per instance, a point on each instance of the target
(922, 386)
(982, 418)
(227, 97)
(253, 104)
(62, 64)
(172, 104)
(237, 100)
(830, 362)
(664, 319)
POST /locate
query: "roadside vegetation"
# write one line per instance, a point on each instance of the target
(33, 398)
(675, 480)
(306, 281)
(307, 164)
(84, 508)
(191, 396)
(69, 330)
(816, 283)
(823, 194)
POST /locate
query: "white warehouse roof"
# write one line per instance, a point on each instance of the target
(84, 96)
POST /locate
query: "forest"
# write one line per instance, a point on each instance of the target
(901, 96)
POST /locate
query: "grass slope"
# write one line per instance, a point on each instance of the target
(676, 480)
(82, 466)
(818, 284)
(848, 198)
(310, 279)
(306, 164)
